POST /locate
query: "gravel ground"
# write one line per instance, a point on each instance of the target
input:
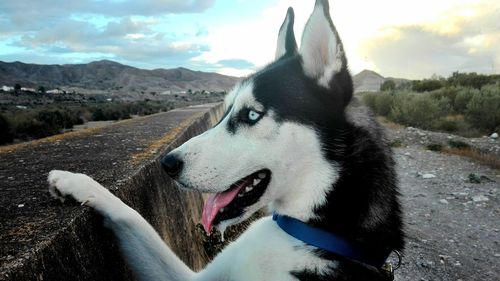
(452, 224)
(415, 136)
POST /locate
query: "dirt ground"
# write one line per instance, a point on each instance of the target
(452, 222)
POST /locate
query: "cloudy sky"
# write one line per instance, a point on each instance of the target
(399, 38)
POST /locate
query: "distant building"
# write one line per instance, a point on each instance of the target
(7, 88)
(21, 107)
(55, 91)
(28, 90)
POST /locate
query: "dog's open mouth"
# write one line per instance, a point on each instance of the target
(232, 202)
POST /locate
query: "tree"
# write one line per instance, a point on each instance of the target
(41, 90)
(470, 80)
(5, 131)
(483, 109)
(426, 85)
(17, 88)
(388, 85)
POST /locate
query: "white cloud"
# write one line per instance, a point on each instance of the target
(386, 35)
(134, 36)
(361, 25)
(465, 38)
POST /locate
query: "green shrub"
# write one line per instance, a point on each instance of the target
(369, 100)
(434, 147)
(27, 129)
(98, 115)
(380, 103)
(33, 124)
(474, 178)
(483, 109)
(80, 116)
(43, 121)
(5, 131)
(458, 144)
(383, 103)
(57, 119)
(388, 85)
(404, 86)
(449, 92)
(445, 106)
(467, 104)
(462, 98)
(149, 107)
(426, 85)
(111, 112)
(446, 125)
(470, 80)
(415, 110)
(118, 110)
(396, 143)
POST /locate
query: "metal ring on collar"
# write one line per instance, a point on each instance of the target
(400, 259)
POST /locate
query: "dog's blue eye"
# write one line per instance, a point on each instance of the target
(253, 115)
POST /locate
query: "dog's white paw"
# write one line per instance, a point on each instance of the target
(82, 188)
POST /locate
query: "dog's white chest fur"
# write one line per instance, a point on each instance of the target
(264, 252)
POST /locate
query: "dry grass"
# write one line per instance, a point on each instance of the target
(389, 124)
(54, 138)
(456, 117)
(156, 145)
(487, 159)
(67, 135)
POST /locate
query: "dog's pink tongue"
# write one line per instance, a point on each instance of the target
(216, 202)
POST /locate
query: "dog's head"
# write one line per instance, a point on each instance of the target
(271, 146)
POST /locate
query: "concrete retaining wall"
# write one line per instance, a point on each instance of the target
(50, 241)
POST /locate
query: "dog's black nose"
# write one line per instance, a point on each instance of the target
(172, 164)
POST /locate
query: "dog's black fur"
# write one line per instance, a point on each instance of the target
(367, 175)
(367, 181)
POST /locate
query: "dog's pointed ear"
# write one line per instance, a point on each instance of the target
(286, 38)
(321, 49)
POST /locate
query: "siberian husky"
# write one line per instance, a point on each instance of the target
(291, 140)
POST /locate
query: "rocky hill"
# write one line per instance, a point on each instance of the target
(113, 78)
(370, 81)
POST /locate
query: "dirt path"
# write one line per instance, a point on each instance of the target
(453, 225)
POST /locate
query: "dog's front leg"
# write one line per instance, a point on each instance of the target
(147, 254)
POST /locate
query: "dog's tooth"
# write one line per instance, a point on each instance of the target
(262, 175)
(222, 210)
(240, 194)
(248, 188)
(256, 181)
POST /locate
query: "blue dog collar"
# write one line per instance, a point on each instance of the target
(329, 242)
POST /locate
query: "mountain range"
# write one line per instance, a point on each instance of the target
(112, 78)
(370, 81)
(108, 77)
